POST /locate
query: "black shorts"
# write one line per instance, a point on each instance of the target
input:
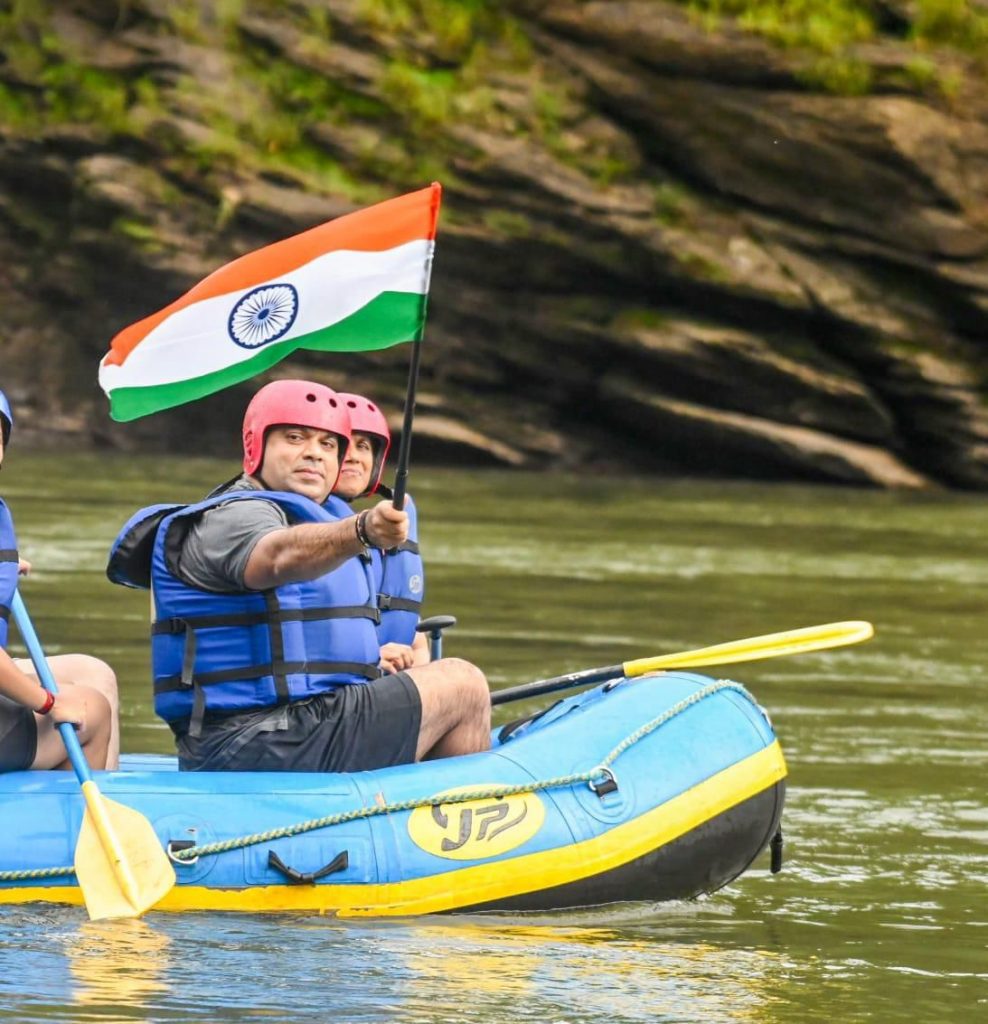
(353, 728)
(18, 736)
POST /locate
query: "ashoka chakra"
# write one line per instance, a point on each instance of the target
(263, 315)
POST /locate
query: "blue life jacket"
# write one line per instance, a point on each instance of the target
(399, 575)
(215, 653)
(337, 507)
(400, 578)
(8, 569)
(129, 563)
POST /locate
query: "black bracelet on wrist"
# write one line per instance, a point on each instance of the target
(360, 526)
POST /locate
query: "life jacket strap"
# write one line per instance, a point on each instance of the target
(192, 622)
(8, 555)
(4, 612)
(282, 695)
(187, 679)
(198, 712)
(188, 654)
(387, 603)
(172, 684)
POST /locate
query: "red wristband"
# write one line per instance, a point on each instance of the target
(48, 704)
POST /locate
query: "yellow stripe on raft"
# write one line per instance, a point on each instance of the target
(482, 883)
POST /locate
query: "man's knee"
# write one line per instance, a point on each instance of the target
(465, 671)
(470, 681)
(454, 689)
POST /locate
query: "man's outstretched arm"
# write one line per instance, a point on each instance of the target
(310, 550)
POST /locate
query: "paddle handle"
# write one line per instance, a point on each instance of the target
(588, 677)
(434, 626)
(26, 628)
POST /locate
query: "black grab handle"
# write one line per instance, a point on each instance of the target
(339, 863)
(434, 626)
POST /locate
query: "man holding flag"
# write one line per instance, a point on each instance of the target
(264, 649)
(264, 652)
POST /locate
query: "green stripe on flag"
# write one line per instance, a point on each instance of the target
(390, 319)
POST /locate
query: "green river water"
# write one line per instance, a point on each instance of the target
(881, 910)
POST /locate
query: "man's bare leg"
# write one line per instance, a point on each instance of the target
(456, 709)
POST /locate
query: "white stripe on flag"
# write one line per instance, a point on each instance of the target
(195, 340)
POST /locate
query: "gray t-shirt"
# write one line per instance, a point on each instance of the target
(215, 550)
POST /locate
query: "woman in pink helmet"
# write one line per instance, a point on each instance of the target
(29, 714)
(399, 574)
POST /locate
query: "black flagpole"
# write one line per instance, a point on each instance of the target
(401, 473)
(404, 452)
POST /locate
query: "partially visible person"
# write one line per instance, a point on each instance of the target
(265, 653)
(29, 714)
(398, 573)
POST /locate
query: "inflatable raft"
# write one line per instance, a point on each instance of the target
(657, 788)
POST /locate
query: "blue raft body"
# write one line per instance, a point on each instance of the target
(692, 793)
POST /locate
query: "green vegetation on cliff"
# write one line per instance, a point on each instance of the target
(448, 63)
(46, 79)
(284, 103)
(755, 227)
(835, 31)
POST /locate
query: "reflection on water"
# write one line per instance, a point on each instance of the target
(880, 911)
(514, 967)
(118, 967)
(313, 969)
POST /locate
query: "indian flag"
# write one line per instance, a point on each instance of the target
(356, 283)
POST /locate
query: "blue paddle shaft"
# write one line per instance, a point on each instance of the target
(26, 628)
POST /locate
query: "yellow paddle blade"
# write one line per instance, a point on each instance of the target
(772, 645)
(119, 860)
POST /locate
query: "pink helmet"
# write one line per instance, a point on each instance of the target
(298, 403)
(366, 418)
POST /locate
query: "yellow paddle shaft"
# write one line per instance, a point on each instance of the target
(771, 645)
(110, 842)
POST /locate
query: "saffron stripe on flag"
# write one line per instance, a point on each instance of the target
(377, 228)
(355, 284)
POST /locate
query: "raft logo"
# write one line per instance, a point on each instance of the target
(476, 829)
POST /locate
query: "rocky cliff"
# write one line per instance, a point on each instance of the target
(672, 238)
